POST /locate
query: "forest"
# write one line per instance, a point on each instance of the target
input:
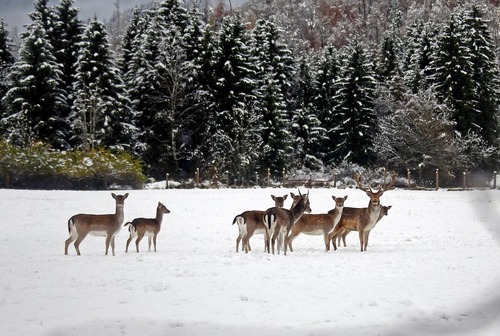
(270, 85)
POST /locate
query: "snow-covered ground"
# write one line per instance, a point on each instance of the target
(432, 268)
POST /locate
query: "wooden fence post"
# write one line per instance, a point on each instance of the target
(268, 176)
(495, 179)
(437, 178)
(166, 181)
(464, 180)
(408, 178)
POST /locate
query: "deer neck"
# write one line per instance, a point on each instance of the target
(298, 210)
(119, 214)
(373, 212)
(159, 216)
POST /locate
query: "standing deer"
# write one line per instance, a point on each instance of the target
(279, 221)
(318, 224)
(251, 222)
(79, 226)
(383, 212)
(149, 227)
(362, 220)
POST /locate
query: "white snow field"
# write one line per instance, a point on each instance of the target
(432, 268)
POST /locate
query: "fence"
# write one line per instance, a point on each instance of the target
(415, 179)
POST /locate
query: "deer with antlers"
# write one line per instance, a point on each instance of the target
(384, 211)
(279, 221)
(362, 220)
(251, 222)
(318, 224)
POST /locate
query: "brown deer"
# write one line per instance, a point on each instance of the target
(149, 227)
(318, 224)
(251, 222)
(362, 220)
(279, 221)
(383, 212)
(79, 226)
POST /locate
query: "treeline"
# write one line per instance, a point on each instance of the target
(191, 89)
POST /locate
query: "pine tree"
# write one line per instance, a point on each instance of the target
(35, 100)
(307, 131)
(453, 75)
(67, 32)
(101, 115)
(352, 138)
(234, 134)
(327, 73)
(273, 76)
(420, 39)
(484, 76)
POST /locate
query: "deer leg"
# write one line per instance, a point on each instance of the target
(137, 241)
(154, 241)
(344, 234)
(149, 243)
(238, 243)
(362, 239)
(113, 244)
(367, 236)
(78, 241)
(108, 241)
(291, 237)
(128, 242)
(327, 241)
(68, 241)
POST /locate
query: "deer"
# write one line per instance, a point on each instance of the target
(146, 227)
(384, 211)
(279, 221)
(362, 220)
(79, 226)
(318, 224)
(251, 222)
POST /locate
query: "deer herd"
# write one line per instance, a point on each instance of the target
(275, 223)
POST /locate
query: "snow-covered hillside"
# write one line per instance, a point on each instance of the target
(432, 268)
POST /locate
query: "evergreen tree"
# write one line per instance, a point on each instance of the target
(203, 81)
(36, 99)
(420, 39)
(453, 75)
(273, 76)
(6, 63)
(67, 32)
(235, 140)
(158, 73)
(307, 131)
(327, 75)
(101, 115)
(352, 137)
(484, 77)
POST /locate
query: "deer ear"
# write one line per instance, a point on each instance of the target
(345, 197)
(334, 198)
(292, 194)
(125, 196)
(273, 197)
(285, 196)
(113, 195)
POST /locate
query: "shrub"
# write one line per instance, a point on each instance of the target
(40, 167)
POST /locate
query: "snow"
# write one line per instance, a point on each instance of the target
(432, 268)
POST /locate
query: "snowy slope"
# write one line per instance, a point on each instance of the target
(432, 268)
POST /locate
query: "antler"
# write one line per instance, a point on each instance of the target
(357, 178)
